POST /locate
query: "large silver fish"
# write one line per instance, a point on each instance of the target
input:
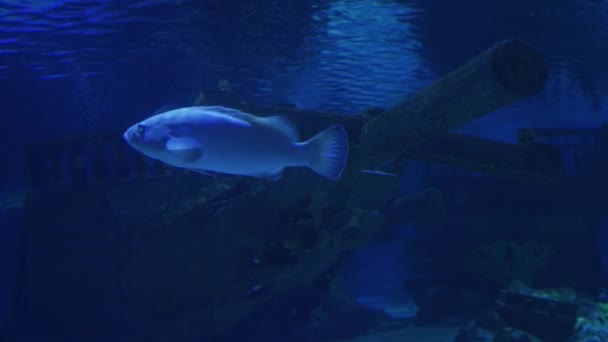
(224, 140)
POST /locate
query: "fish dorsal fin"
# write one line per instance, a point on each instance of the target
(186, 149)
(280, 124)
(277, 123)
(235, 113)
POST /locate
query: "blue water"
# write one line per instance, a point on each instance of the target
(319, 56)
(91, 68)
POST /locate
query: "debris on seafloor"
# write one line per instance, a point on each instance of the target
(526, 314)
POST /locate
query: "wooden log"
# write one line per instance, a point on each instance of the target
(578, 132)
(468, 196)
(533, 162)
(503, 74)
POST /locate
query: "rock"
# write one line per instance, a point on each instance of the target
(489, 327)
(72, 250)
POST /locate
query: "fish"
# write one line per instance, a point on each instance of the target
(222, 140)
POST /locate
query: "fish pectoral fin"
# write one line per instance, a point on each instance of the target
(271, 175)
(186, 149)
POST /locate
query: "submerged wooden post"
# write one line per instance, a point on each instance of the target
(503, 74)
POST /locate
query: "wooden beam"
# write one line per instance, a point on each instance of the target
(533, 162)
(503, 74)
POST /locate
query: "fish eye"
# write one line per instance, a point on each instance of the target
(141, 129)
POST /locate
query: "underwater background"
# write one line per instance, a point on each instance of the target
(485, 218)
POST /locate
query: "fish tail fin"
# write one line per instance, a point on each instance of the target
(329, 149)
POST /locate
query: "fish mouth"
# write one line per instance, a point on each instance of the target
(128, 136)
